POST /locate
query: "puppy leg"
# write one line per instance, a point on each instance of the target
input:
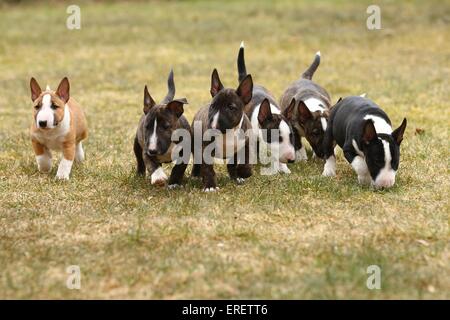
(65, 166)
(43, 157)
(300, 150)
(79, 152)
(196, 170)
(329, 170)
(244, 168)
(139, 157)
(176, 176)
(359, 165)
(209, 178)
(155, 171)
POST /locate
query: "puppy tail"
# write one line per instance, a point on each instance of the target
(242, 71)
(170, 87)
(308, 74)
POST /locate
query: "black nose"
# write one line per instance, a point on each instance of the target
(42, 124)
(151, 152)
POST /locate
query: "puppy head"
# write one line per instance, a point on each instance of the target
(160, 122)
(49, 105)
(227, 106)
(281, 144)
(382, 153)
(313, 124)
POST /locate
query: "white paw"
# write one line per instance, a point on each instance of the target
(158, 177)
(79, 153)
(44, 163)
(64, 168)
(240, 180)
(300, 155)
(365, 179)
(329, 170)
(207, 190)
(173, 186)
(284, 169)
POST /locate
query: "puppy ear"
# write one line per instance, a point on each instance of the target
(245, 89)
(148, 101)
(264, 111)
(369, 132)
(398, 133)
(339, 100)
(176, 106)
(63, 90)
(289, 111)
(303, 112)
(216, 85)
(35, 89)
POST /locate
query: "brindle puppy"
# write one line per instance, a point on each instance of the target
(224, 112)
(153, 143)
(309, 106)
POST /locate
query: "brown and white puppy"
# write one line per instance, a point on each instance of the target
(59, 124)
(310, 112)
(269, 126)
(153, 143)
(225, 116)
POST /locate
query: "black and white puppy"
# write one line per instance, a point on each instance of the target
(225, 116)
(153, 143)
(265, 116)
(364, 132)
(310, 113)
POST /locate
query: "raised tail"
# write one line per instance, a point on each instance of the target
(242, 71)
(170, 88)
(308, 74)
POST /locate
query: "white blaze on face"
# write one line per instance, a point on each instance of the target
(381, 125)
(46, 113)
(386, 176)
(314, 105)
(324, 123)
(153, 138)
(215, 121)
(286, 149)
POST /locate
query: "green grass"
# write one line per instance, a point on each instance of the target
(296, 236)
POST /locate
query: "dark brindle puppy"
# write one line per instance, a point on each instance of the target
(311, 111)
(224, 113)
(153, 143)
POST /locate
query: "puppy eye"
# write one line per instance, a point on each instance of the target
(232, 106)
(316, 132)
(166, 126)
(37, 107)
(54, 106)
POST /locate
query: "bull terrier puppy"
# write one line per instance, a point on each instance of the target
(225, 115)
(364, 132)
(59, 124)
(153, 143)
(309, 115)
(265, 115)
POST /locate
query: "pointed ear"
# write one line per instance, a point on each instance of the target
(245, 89)
(176, 106)
(369, 132)
(303, 112)
(63, 90)
(35, 89)
(398, 133)
(289, 111)
(264, 111)
(339, 100)
(148, 101)
(216, 85)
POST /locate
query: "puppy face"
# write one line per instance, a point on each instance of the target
(160, 122)
(227, 106)
(48, 105)
(382, 153)
(281, 144)
(314, 125)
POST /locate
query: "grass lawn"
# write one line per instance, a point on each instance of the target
(288, 236)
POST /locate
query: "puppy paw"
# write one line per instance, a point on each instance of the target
(240, 180)
(44, 163)
(173, 186)
(328, 172)
(212, 189)
(284, 169)
(159, 177)
(64, 168)
(365, 179)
